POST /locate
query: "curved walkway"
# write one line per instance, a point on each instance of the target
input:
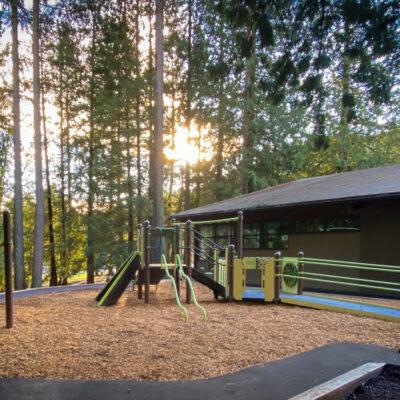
(19, 294)
(278, 380)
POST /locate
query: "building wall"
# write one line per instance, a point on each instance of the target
(380, 244)
(337, 246)
(377, 242)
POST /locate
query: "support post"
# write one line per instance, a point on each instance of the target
(139, 247)
(277, 281)
(300, 265)
(188, 256)
(147, 249)
(176, 252)
(231, 252)
(239, 235)
(142, 255)
(8, 268)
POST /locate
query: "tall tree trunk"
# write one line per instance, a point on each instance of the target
(172, 163)
(63, 212)
(91, 188)
(19, 272)
(137, 118)
(220, 138)
(188, 102)
(129, 181)
(53, 265)
(39, 207)
(150, 98)
(248, 114)
(345, 109)
(158, 207)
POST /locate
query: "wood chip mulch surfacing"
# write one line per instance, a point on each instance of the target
(67, 335)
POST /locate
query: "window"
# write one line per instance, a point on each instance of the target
(330, 224)
(270, 235)
(224, 234)
(252, 236)
(343, 224)
(313, 225)
(276, 234)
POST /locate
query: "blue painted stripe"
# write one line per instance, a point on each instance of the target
(367, 308)
(253, 294)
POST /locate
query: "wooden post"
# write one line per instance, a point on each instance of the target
(300, 265)
(8, 268)
(147, 249)
(176, 252)
(231, 252)
(239, 235)
(277, 281)
(142, 254)
(139, 246)
(188, 257)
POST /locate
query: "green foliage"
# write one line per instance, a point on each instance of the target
(312, 86)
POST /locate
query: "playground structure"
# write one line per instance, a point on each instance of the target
(224, 270)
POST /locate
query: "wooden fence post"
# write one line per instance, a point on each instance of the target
(8, 268)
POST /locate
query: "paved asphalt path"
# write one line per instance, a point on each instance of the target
(19, 294)
(273, 381)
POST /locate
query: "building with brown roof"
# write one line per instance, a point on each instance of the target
(352, 216)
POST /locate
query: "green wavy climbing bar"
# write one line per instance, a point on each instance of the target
(178, 263)
(171, 278)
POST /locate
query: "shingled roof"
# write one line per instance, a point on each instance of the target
(379, 183)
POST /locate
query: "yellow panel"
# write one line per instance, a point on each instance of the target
(238, 279)
(250, 262)
(269, 275)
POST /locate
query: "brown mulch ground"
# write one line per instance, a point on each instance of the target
(67, 335)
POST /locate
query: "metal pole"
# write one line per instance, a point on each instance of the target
(231, 251)
(277, 282)
(176, 252)
(300, 265)
(188, 256)
(8, 268)
(147, 262)
(140, 273)
(239, 235)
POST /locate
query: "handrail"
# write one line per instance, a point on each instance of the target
(170, 277)
(349, 278)
(209, 222)
(338, 283)
(213, 244)
(178, 262)
(349, 264)
(200, 253)
(305, 259)
(338, 265)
